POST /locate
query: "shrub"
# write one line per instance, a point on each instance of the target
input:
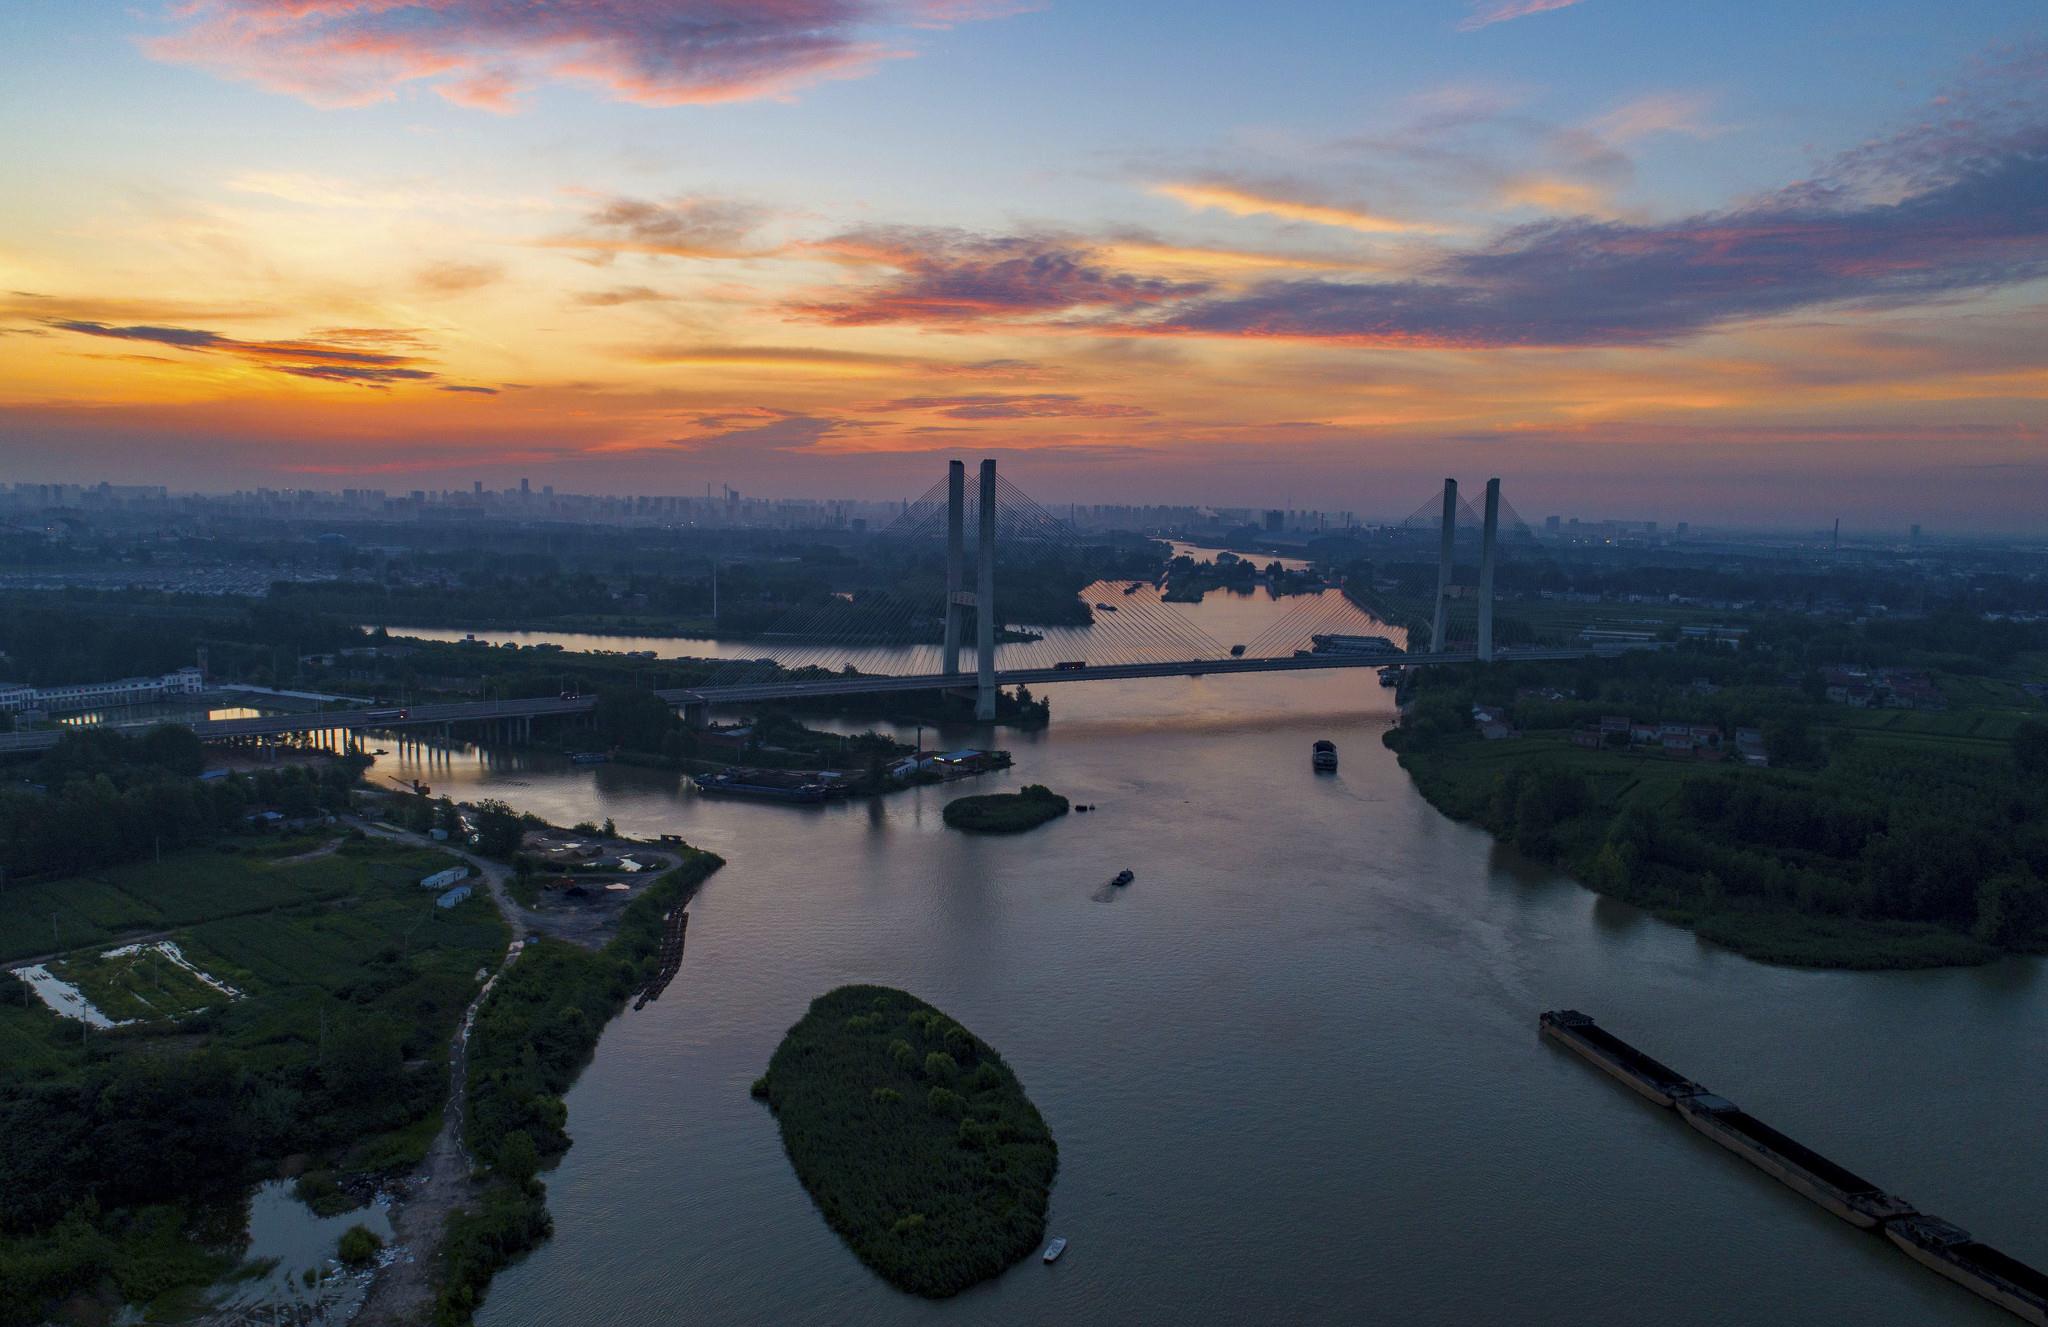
(359, 1244)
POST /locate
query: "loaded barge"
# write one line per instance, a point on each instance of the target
(1947, 1249)
(1843, 1192)
(1609, 1053)
(1998, 1277)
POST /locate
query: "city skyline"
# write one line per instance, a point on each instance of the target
(1641, 261)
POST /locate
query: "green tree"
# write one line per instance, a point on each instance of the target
(518, 1158)
(498, 829)
(632, 717)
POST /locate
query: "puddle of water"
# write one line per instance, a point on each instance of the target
(283, 1228)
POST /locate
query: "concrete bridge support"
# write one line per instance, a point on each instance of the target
(1446, 552)
(956, 561)
(1487, 543)
(985, 599)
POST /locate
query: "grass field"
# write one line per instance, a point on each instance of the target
(182, 889)
(334, 940)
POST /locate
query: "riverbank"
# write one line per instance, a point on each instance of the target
(913, 1137)
(1584, 812)
(530, 1040)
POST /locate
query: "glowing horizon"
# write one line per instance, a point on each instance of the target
(1637, 263)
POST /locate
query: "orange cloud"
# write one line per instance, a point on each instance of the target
(1240, 202)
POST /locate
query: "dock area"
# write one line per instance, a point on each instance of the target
(673, 928)
(1928, 1240)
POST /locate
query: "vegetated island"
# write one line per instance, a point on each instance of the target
(913, 1137)
(1006, 813)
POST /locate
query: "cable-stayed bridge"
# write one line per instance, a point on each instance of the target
(912, 637)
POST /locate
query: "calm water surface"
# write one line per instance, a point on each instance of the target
(1293, 1070)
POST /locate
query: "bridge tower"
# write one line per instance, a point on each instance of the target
(1488, 542)
(982, 598)
(985, 599)
(956, 562)
(1446, 550)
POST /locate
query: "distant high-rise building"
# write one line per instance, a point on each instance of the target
(1276, 520)
(525, 491)
(476, 487)
(1550, 524)
(1684, 529)
(1916, 534)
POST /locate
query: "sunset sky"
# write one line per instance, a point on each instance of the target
(1720, 261)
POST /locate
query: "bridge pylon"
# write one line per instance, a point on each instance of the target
(1489, 541)
(982, 598)
(956, 561)
(1446, 554)
(985, 599)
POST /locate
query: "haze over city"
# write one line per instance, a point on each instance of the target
(1752, 264)
(959, 663)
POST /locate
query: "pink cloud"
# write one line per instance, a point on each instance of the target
(1503, 10)
(485, 53)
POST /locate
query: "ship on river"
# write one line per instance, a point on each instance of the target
(1840, 1190)
(1579, 1033)
(1952, 1251)
(772, 785)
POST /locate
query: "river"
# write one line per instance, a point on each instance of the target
(1293, 1070)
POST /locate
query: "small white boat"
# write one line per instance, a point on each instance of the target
(1055, 1249)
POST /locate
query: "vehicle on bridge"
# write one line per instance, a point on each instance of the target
(1070, 666)
(1237, 651)
(372, 716)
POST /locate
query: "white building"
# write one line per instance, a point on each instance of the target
(94, 695)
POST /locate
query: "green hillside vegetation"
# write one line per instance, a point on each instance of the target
(913, 1137)
(125, 1154)
(532, 1038)
(1877, 839)
(1006, 813)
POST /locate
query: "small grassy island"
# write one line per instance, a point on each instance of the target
(913, 1137)
(1006, 813)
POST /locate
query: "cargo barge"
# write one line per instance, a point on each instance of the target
(1577, 1032)
(1842, 1191)
(1936, 1244)
(1998, 1277)
(767, 785)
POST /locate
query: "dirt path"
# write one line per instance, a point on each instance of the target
(402, 1295)
(327, 849)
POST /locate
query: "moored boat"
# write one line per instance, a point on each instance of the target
(1123, 877)
(1324, 754)
(1956, 1254)
(1055, 1249)
(1578, 1033)
(1840, 1190)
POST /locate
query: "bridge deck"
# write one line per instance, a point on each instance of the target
(381, 718)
